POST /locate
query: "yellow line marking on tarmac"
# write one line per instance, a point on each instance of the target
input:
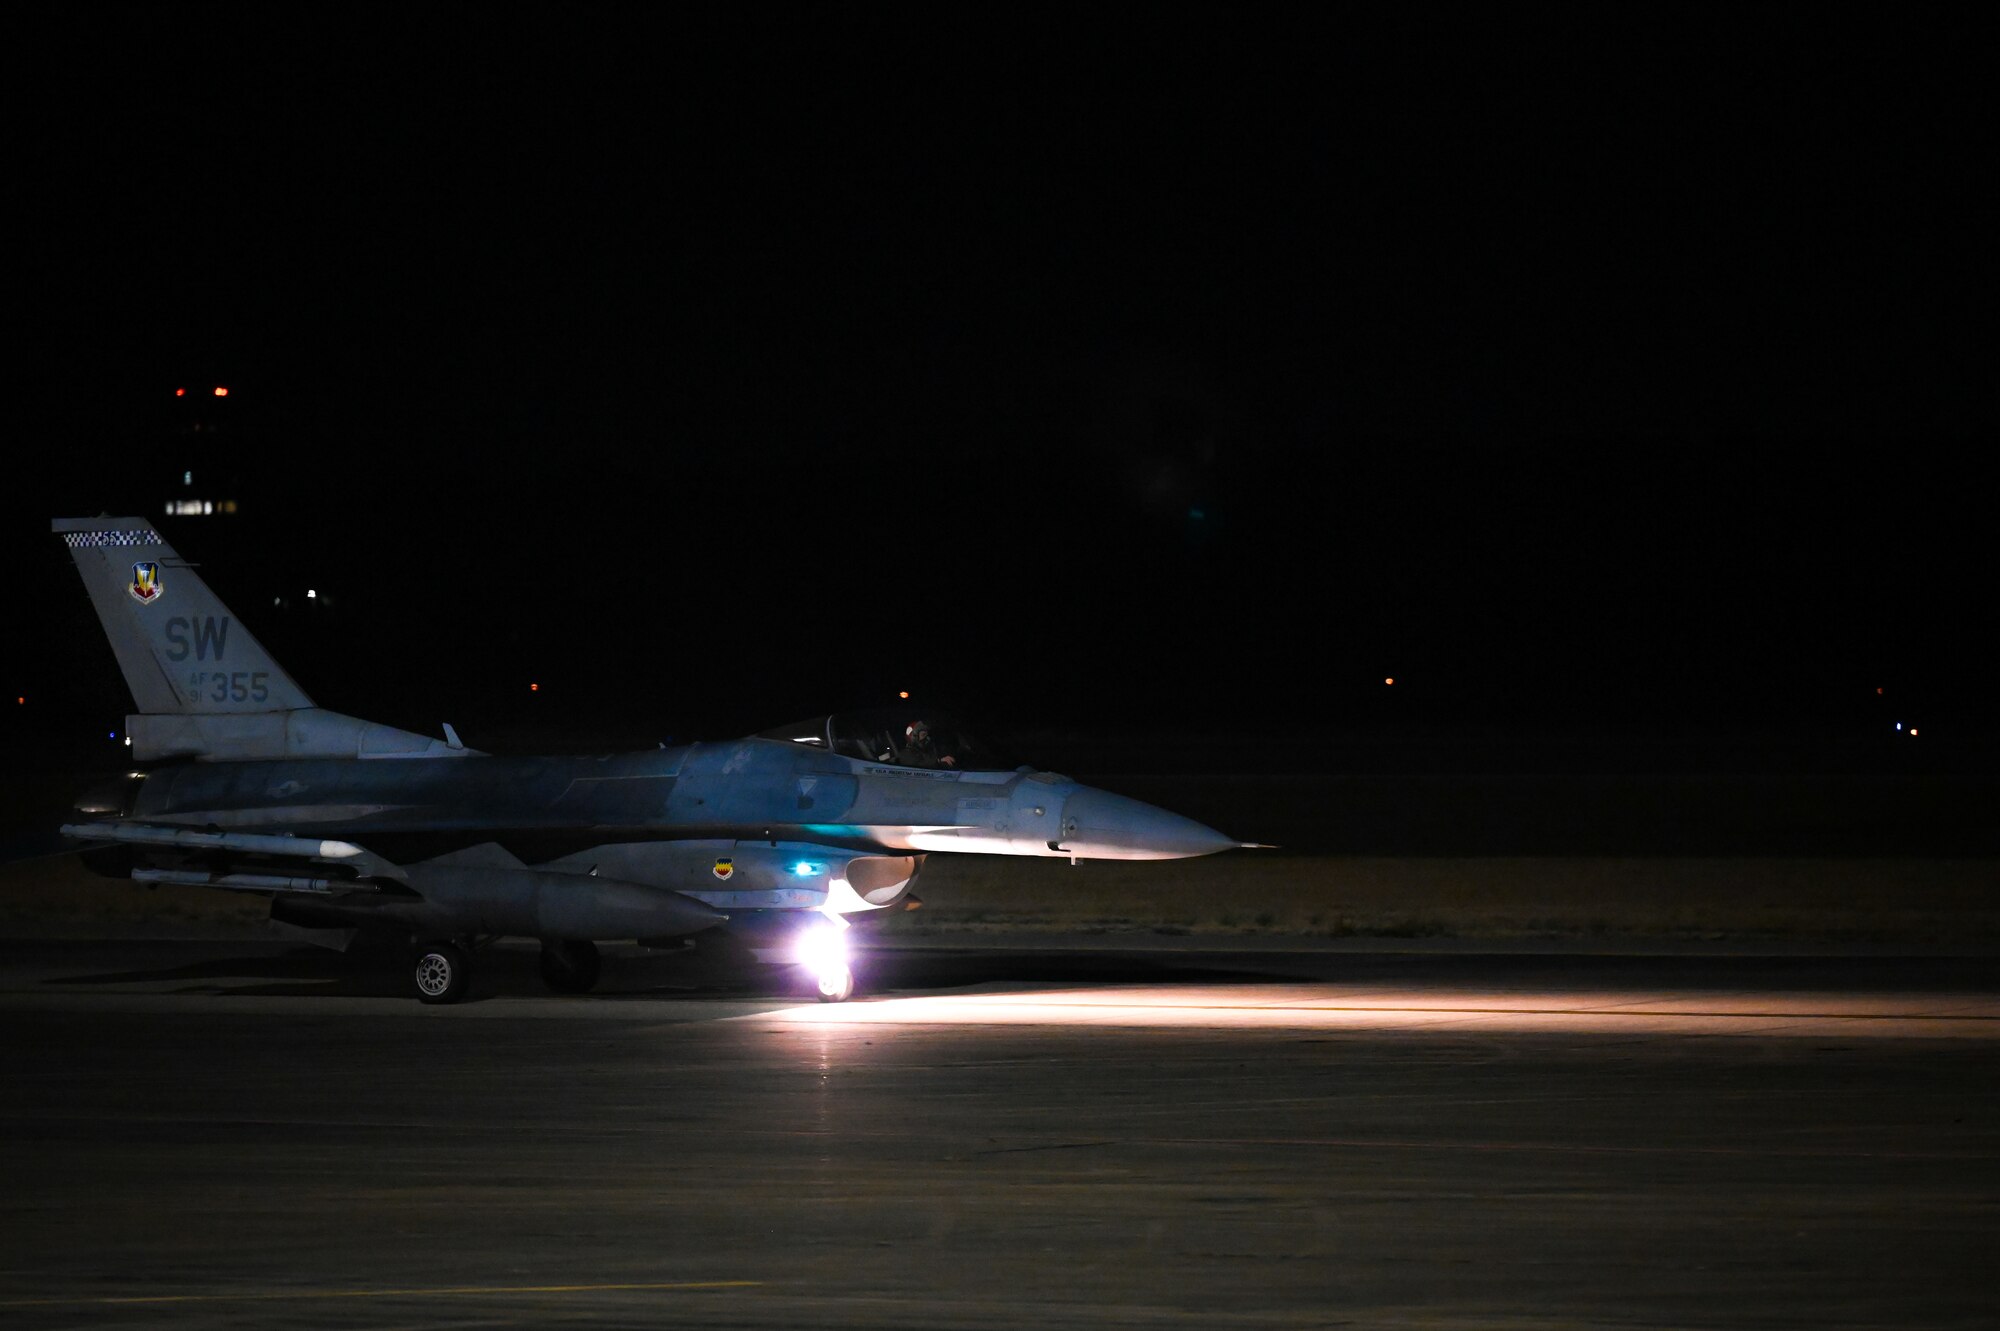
(420, 1292)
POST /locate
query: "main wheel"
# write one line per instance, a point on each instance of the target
(570, 968)
(441, 973)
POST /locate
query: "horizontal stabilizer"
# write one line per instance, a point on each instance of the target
(204, 687)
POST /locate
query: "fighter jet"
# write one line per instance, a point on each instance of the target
(773, 842)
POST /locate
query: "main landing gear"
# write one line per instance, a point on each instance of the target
(441, 972)
(442, 969)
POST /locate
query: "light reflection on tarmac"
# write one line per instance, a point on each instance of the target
(1578, 994)
(248, 1136)
(1331, 1007)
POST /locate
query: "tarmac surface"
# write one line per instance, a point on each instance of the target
(1103, 1133)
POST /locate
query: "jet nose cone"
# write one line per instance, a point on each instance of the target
(1098, 825)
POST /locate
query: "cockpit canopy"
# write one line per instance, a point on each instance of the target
(895, 735)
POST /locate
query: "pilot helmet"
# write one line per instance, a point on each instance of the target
(917, 733)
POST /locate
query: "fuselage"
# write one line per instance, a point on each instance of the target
(748, 789)
(245, 784)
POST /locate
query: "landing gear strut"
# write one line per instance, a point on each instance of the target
(570, 968)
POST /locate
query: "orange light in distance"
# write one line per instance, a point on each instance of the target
(1390, 680)
(180, 392)
(221, 392)
(534, 688)
(903, 694)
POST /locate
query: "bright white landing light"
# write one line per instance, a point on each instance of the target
(822, 950)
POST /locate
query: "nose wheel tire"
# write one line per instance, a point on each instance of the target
(570, 968)
(441, 973)
(835, 985)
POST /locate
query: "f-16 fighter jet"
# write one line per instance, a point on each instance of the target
(775, 842)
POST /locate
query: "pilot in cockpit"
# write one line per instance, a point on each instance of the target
(920, 750)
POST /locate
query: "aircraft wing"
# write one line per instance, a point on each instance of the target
(480, 890)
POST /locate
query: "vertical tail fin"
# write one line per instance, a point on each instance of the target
(182, 652)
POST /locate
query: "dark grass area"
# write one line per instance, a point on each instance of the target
(1592, 813)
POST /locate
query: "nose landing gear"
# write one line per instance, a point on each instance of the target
(835, 984)
(822, 950)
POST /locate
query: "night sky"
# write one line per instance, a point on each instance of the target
(1591, 376)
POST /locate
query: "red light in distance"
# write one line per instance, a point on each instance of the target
(222, 392)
